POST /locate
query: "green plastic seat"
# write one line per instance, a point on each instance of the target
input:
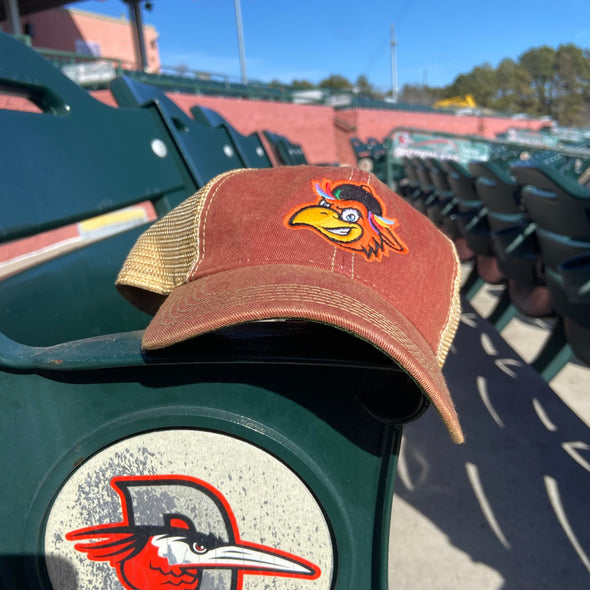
(513, 237)
(560, 209)
(249, 147)
(207, 151)
(553, 199)
(285, 151)
(76, 159)
(88, 158)
(472, 214)
(444, 201)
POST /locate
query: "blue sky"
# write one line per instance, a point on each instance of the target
(312, 39)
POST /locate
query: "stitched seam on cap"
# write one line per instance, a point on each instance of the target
(313, 295)
(449, 328)
(320, 265)
(161, 258)
(205, 203)
(342, 269)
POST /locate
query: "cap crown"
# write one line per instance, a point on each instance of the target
(339, 220)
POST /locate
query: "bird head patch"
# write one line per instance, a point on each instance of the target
(349, 215)
(175, 531)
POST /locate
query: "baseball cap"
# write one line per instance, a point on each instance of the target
(332, 245)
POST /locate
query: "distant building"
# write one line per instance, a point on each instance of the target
(79, 31)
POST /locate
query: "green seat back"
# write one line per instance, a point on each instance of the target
(288, 153)
(249, 147)
(76, 159)
(208, 151)
(554, 200)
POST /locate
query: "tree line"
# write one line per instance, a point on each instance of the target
(543, 81)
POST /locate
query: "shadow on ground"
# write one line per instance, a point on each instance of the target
(516, 496)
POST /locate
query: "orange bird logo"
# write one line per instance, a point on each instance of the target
(351, 216)
(176, 531)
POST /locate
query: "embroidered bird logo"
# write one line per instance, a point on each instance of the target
(151, 550)
(351, 216)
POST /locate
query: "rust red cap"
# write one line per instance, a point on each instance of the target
(326, 244)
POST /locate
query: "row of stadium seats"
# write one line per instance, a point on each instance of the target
(382, 156)
(210, 140)
(525, 224)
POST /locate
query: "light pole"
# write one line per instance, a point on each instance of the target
(393, 44)
(241, 41)
(137, 22)
(12, 11)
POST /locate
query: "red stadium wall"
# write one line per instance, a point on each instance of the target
(310, 126)
(378, 123)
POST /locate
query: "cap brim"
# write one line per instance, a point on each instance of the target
(289, 291)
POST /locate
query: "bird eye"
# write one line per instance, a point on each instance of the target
(199, 548)
(350, 215)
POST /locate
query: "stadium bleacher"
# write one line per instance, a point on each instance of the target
(523, 214)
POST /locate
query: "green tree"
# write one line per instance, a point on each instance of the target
(572, 83)
(420, 94)
(336, 82)
(514, 92)
(302, 84)
(274, 83)
(543, 81)
(481, 82)
(540, 64)
(364, 87)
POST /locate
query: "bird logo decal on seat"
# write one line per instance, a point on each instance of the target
(350, 215)
(180, 532)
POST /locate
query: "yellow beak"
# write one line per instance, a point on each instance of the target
(328, 223)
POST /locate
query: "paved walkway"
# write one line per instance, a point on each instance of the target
(510, 508)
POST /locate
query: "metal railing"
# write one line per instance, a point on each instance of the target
(61, 58)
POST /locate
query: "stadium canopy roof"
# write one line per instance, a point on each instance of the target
(25, 7)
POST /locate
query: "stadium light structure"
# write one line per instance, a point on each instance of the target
(239, 27)
(393, 43)
(136, 19)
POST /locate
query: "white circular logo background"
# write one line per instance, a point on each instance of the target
(271, 509)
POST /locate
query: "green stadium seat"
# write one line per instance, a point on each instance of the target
(249, 147)
(208, 151)
(513, 237)
(74, 161)
(444, 201)
(286, 152)
(560, 209)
